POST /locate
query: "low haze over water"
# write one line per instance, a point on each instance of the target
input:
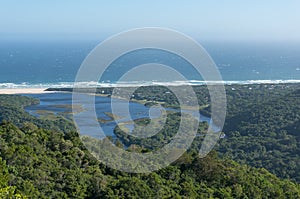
(45, 64)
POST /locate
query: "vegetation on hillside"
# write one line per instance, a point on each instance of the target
(48, 164)
(42, 158)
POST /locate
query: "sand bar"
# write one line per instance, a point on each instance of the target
(23, 90)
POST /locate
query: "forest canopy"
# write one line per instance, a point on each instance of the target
(258, 158)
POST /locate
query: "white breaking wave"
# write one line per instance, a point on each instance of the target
(139, 83)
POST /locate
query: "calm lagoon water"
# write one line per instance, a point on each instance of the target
(59, 103)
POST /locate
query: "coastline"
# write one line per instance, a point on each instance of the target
(11, 91)
(92, 84)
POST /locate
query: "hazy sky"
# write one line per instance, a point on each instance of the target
(205, 20)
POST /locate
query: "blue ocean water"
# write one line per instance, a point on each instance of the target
(46, 64)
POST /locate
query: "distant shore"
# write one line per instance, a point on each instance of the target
(23, 90)
(106, 89)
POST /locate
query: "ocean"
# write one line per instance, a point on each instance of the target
(55, 64)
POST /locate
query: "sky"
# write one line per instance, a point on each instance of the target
(269, 20)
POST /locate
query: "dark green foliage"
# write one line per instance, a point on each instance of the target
(262, 128)
(151, 94)
(51, 162)
(12, 110)
(47, 164)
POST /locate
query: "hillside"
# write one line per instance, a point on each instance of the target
(265, 133)
(51, 163)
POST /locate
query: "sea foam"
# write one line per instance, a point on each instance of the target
(9, 85)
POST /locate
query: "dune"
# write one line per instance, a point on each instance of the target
(22, 90)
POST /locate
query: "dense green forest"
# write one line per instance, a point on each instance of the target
(263, 130)
(42, 158)
(42, 163)
(262, 125)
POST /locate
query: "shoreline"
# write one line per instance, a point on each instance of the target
(9, 85)
(11, 91)
(40, 89)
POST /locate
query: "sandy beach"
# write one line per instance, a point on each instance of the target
(23, 90)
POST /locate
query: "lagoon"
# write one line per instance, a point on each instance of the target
(60, 104)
